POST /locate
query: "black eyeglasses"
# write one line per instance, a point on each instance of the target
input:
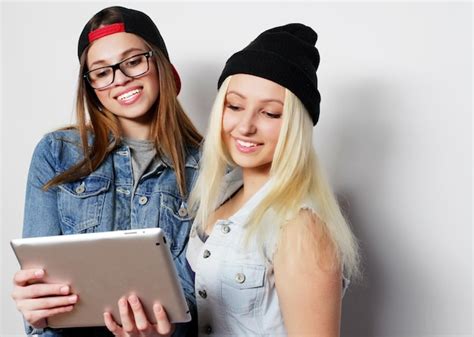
(134, 66)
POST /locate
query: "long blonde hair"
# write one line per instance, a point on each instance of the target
(171, 129)
(296, 179)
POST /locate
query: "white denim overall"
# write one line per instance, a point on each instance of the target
(235, 287)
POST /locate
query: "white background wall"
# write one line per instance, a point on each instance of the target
(394, 133)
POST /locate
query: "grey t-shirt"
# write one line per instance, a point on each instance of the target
(143, 154)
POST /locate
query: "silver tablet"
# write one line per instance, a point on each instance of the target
(102, 267)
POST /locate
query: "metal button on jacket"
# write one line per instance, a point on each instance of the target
(208, 330)
(239, 278)
(182, 211)
(81, 188)
(206, 254)
(143, 200)
(225, 229)
(202, 293)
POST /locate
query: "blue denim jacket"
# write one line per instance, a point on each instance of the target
(105, 201)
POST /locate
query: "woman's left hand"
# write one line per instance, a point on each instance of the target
(134, 320)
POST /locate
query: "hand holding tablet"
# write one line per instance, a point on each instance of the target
(37, 300)
(135, 320)
(100, 268)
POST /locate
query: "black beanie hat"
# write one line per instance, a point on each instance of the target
(132, 21)
(286, 55)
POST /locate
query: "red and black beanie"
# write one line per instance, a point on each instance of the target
(285, 55)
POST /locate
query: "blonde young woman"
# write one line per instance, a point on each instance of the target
(270, 249)
(129, 162)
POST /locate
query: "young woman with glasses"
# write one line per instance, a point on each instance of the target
(129, 162)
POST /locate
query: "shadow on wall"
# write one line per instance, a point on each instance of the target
(362, 146)
(363, 298)
(202, 90)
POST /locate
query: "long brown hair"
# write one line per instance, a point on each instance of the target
(171, 129)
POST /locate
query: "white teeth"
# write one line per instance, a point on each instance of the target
(128, 94)
(246, 144)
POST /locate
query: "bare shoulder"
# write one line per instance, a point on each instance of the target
(308, 277)
(306, 242)
(306, 222)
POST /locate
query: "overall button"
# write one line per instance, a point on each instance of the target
(81, 188)
(225, 229)
(202, 293)
(143, 200)
(206, 254)
(182, 211)
(239, 278)
(208, 330)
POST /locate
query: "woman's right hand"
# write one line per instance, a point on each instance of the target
(37, 300)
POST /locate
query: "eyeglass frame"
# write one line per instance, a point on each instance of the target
(116, 66)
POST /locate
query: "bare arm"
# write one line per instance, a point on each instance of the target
(308, 279)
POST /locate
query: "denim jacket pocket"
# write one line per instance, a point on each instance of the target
(175, 221)
(242, 286)
(81, 203)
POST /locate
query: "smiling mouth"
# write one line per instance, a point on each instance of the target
(129, 95)
(245, 144)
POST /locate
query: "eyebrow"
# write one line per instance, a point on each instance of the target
(267, 100)
(122, 56)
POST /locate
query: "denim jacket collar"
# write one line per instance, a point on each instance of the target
(232, 181)
(191, 159)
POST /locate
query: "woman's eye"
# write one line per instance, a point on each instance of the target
(233, 107)
(272, 115)
(101, 73)
(134, 62)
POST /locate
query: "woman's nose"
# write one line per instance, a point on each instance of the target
(120, 78)
(247, 124)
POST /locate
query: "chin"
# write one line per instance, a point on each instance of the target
(251, 164)
(136, 112)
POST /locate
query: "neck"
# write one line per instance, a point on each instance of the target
(253, 181)
(135, 129)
